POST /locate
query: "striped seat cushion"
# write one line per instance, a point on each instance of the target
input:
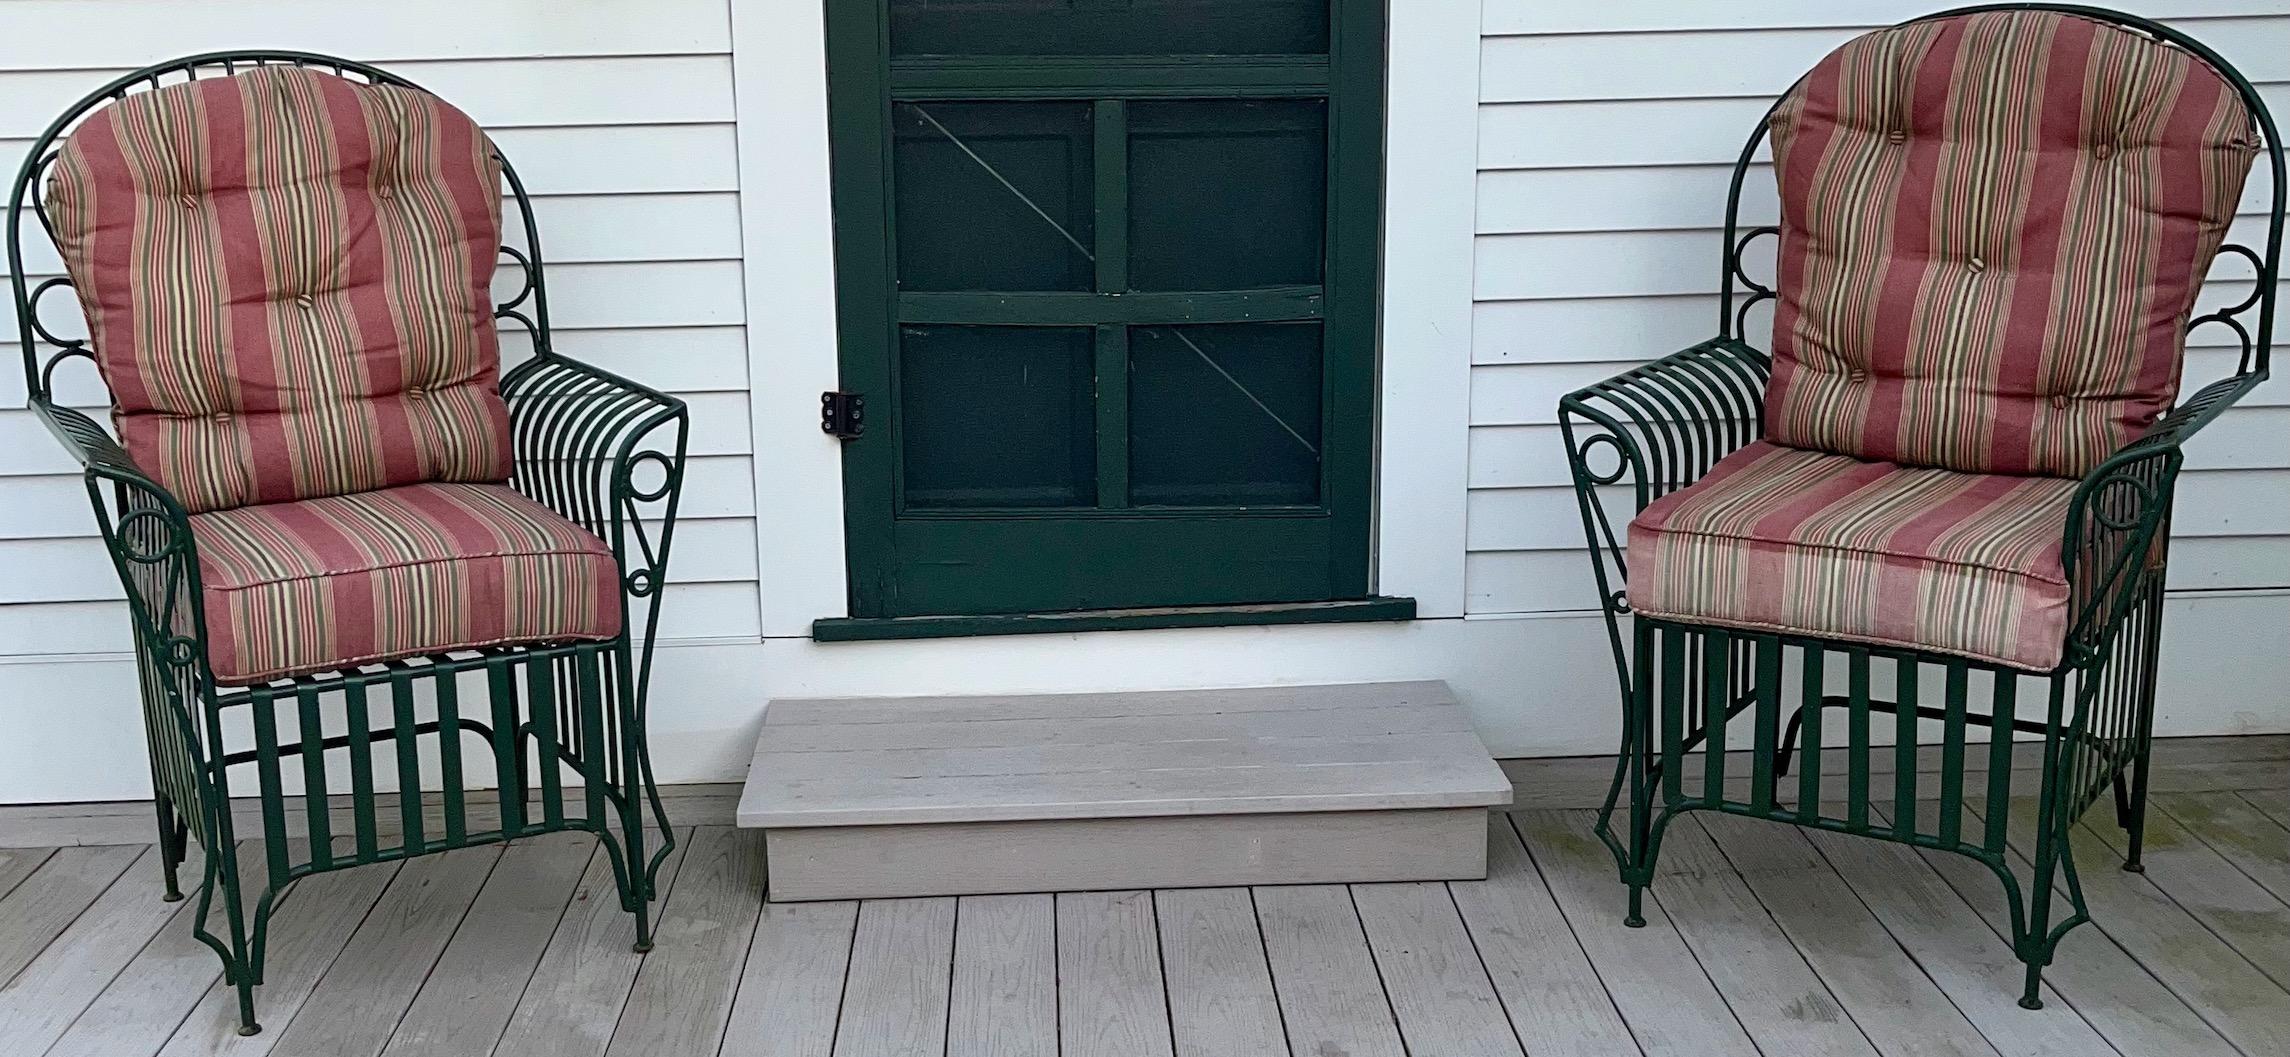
(1993, 227)
(1808, 543)
(287, 278)
(323, 584)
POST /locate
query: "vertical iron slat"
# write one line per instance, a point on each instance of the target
(1768, 688)
(1952, 753)
(314, 778)
(1717, 680)
(1811, 695)
(2000, 760)
(449, 759)
(508, 751)
(273, 793)
(1904, 745)
(361, 765)
(1673, 713)
(1857, 736)
(409, 759)
(593, 748)
(541, 705)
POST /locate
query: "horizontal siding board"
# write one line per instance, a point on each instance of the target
(1612, 16)
(125, 33)
(499, 93)
(1760, 62)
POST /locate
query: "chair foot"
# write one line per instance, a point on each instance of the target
(171, 897)
(1637, 917)
(2032, 997)
(2134, 866)
(641, 946)
(250, 1029)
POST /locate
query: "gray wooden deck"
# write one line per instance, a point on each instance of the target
(1762, 941)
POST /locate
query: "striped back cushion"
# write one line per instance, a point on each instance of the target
(1993, 228)
(286, 276)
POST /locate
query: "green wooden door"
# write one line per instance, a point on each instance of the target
(1107, 281)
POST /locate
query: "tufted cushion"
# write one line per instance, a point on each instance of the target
(1808, 543)
(1993, 227)
(328, 583)
(286, 276)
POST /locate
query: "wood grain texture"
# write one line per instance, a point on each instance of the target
(975, 858)
(1970, 963)
(1282, 749)
(576, 994)
(1330, 996)
(683, 993)
(17, 863)
(1548, 986)
(1110, 996)
(52, 897)
(1005, 993)
(465, 1003)
(2232, 995)
(791, 990)
(366, 991)
(2235, 826)
(72, 970)
(1899, 1008)
(1221, 1000)
(1439, 991)
(894, 1004)
(1671, 1006)
(2205, 884)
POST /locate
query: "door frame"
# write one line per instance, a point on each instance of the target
(1424, 331)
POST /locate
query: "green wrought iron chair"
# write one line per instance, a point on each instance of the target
(1953, 473)
(348, 541)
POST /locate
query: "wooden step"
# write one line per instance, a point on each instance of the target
(885, 797)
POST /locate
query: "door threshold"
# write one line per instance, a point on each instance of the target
(1357, 610)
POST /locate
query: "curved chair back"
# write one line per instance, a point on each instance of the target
(1740, 292)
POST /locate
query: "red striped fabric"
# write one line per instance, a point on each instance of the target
(287, 278)
(328, 583)
(1808, 543)
(1993, 228)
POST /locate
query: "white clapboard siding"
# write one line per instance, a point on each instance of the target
(618, 115)
(1608, 135)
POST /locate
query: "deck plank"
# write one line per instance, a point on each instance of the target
(1330, 997)
(1900, 1008)
(2232, 995)
(142, 1005)
(1005, 991)
(1439, 992)
(2236, 909)
(577, 992)
(48, 901)
(17, 864)
(1670, 1004)
(1971, 964)
(895, 1002)
(791, 990)
(307, 934)
(365, 992)
(1221, 1001)
(683, 994)
(1779, 998)
(1548, 986)
(467, 1001)
(70, 972)
(1111, 999)
(2248, 837)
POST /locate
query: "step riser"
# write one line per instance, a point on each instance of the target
(1067, 855)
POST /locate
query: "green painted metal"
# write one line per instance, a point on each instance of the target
(1660, 427)
(1350, 611)
(1087, 543)
(599, 449)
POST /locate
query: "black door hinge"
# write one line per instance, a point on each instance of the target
(842, 416)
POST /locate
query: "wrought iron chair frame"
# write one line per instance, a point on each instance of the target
(587, 444)
(1667, 422)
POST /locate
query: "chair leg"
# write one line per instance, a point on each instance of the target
(1634, 777)
(171, 847)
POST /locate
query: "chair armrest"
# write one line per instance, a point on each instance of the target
(2118, 521)
(1667, 422)
(586, 443)
(148, 535)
